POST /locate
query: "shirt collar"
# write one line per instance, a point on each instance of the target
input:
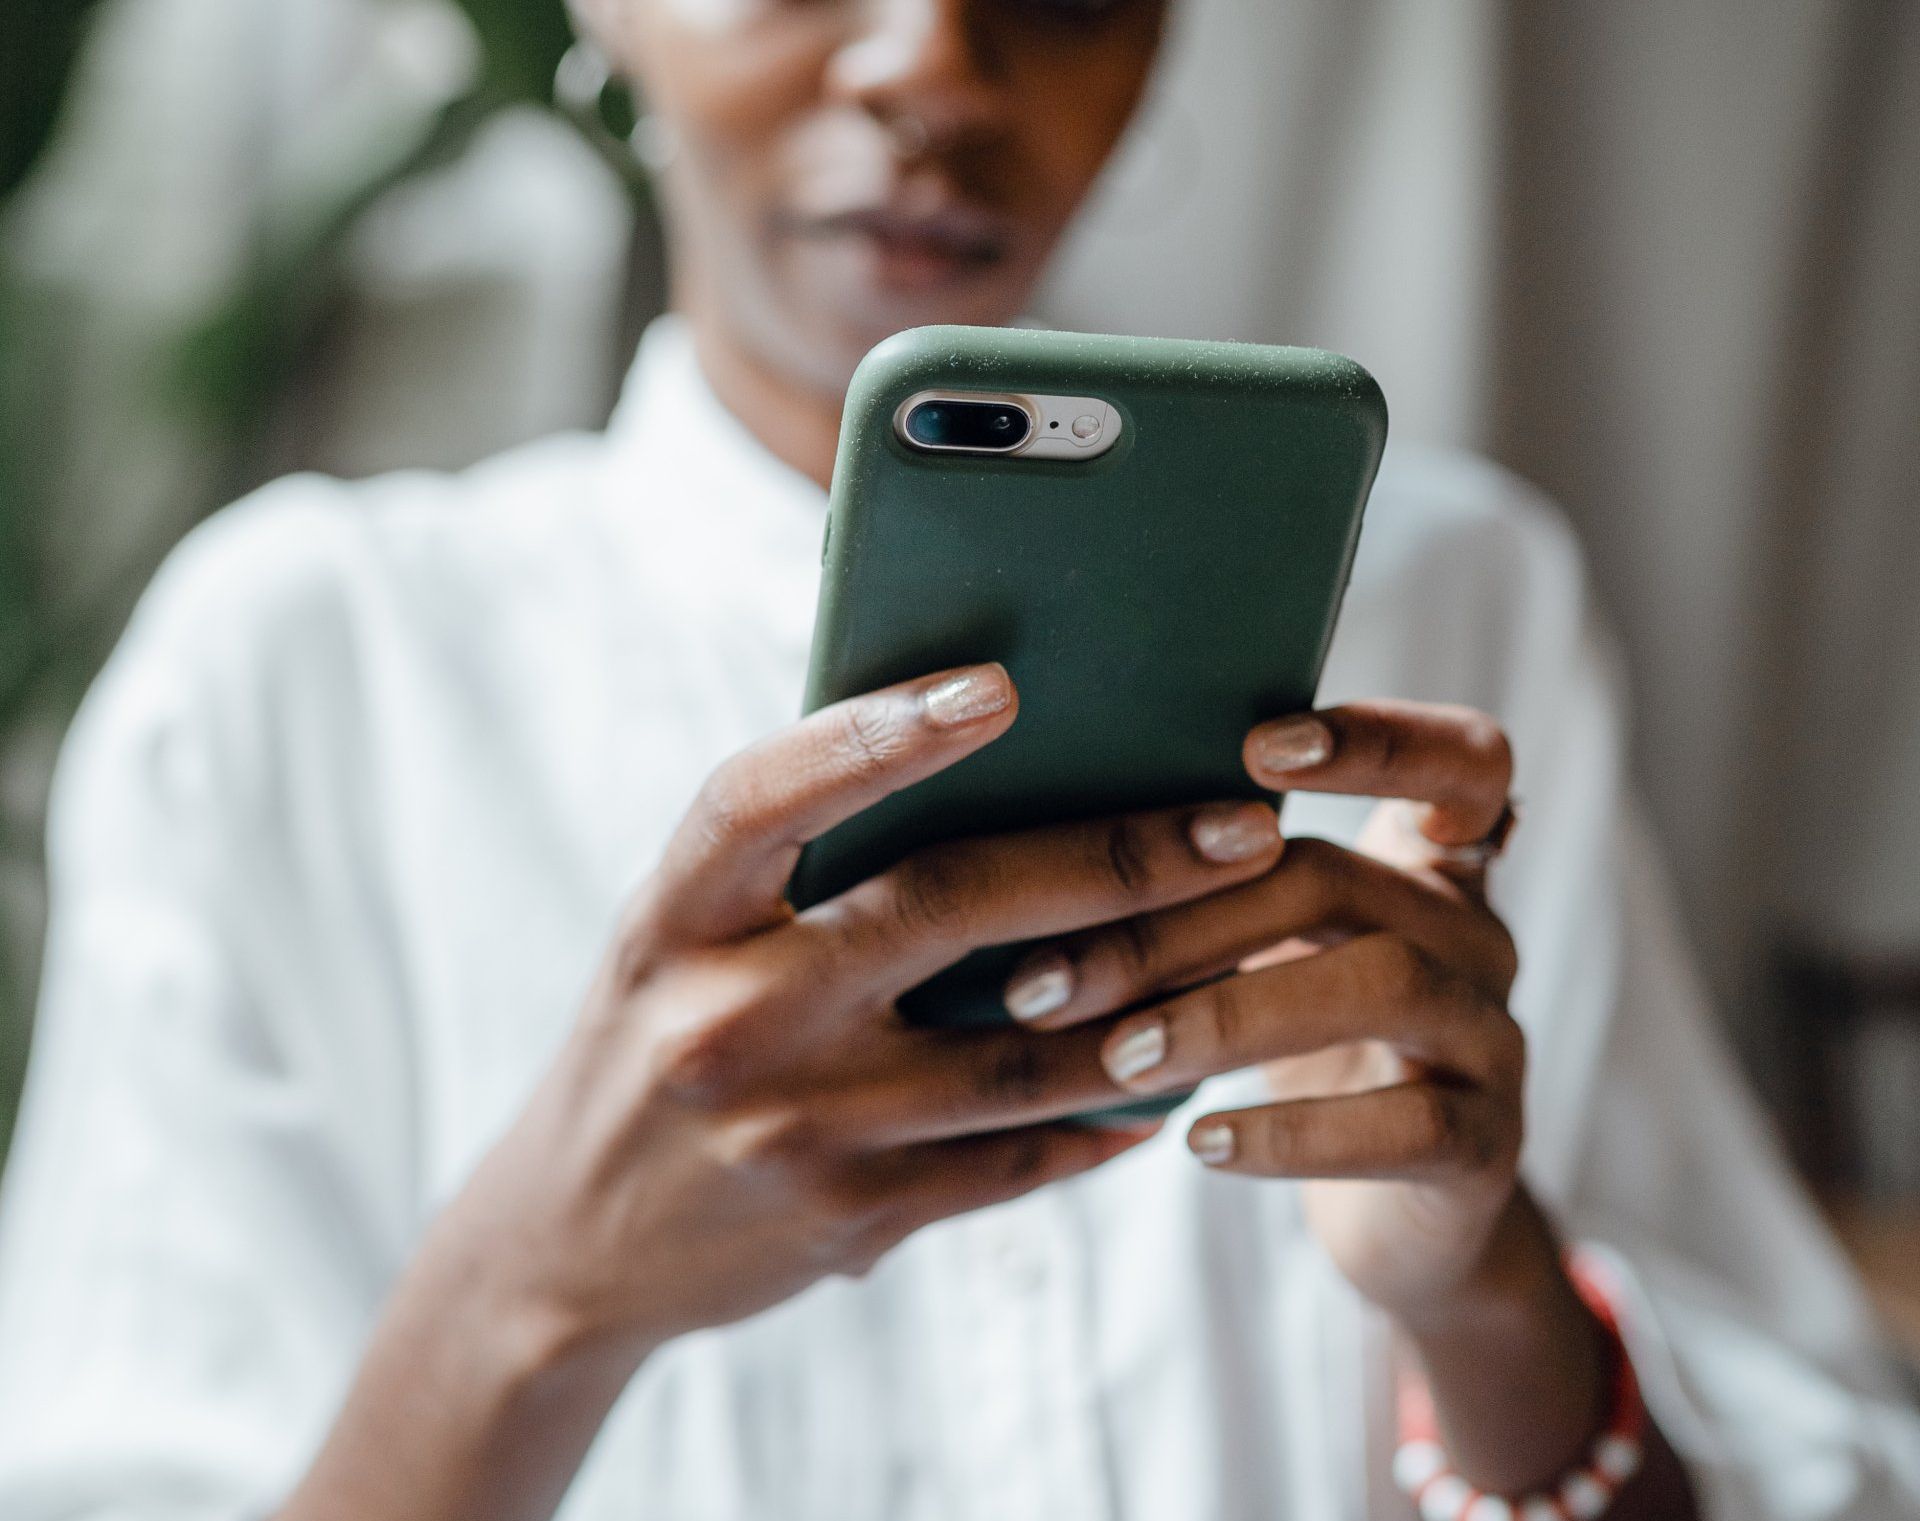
(735, 528)
(668, 415)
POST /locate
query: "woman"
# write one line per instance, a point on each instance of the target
(394, 1134)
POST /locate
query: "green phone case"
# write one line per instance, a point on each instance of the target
(1151, 605)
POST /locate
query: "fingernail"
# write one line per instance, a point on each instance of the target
(1212, 1143)
(968, 697)
(1043, 984)
(1136, 1051)
(1234, 832)
(1292, 744)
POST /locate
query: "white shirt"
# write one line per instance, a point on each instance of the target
(342, 829)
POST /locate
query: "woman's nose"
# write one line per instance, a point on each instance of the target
(927, 62)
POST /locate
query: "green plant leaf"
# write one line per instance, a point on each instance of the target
(231, 366)
(39, 42)
(522, 45)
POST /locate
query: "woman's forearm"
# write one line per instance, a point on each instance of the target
(463, 1409)
(1519, 1371)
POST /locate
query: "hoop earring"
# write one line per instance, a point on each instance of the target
(588, 91)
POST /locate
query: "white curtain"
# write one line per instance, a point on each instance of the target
(1665, 261)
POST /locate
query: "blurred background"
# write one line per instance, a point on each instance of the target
(1663, 260)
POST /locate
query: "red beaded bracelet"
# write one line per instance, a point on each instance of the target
(1423, 1472)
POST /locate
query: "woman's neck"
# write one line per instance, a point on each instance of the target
(798, 423)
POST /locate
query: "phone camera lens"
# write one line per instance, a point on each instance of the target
(929, 425)
(979, 426)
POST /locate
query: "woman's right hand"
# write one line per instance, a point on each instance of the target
(740, 1111)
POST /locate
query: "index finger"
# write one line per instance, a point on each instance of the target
(725, 869)
(1457, 760)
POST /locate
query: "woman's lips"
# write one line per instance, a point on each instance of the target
(916, 249)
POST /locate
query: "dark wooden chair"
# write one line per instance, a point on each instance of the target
(1833, 998)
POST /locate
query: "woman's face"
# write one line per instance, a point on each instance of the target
(841, 169)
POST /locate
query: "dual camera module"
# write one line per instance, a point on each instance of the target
(949, 423)
(1034, 427)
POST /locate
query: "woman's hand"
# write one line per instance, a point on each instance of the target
(740, 1111)
(1370, 983)
(1431, 1105)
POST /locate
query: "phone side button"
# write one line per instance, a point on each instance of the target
(826, 538)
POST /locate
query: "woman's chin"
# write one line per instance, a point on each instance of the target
(878, 292)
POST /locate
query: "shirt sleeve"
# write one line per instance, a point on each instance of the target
(195, 1232)
(1757, 1351)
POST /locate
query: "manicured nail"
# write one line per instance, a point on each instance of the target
(968, 697)
(1136, 1051)
(1212, 1144)
(1043, 984)
(1234, 832)
(1292, 744)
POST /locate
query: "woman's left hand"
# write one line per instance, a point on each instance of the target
(1371, 984)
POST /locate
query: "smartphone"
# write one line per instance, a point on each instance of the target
(1152, 535)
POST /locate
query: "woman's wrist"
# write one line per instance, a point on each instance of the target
(1517, 1365)
(505, 1338)
(1517, 1268)
(474, 1400)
